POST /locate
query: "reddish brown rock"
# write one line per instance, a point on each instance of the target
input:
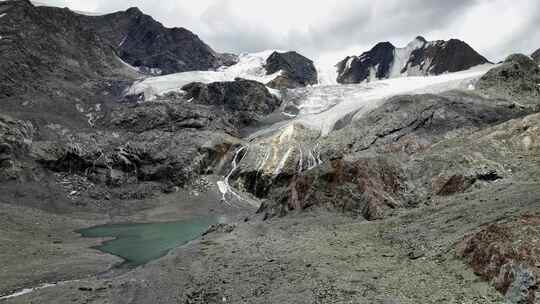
(367, 187)
(508, 255)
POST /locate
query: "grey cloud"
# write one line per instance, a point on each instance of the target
(527, 39)
(347, 23)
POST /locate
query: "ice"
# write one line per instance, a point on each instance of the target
(320, 107)
(402, 55)
(129, 66)
(327, 73)
(30, 290)
(249, 66)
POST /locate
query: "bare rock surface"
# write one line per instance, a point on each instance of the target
(516, 79)
(297, 70)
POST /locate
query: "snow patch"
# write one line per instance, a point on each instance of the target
(30, 290)
(123, 41)
(402, 55)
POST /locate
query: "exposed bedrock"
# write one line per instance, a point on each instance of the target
(507, 255)
(297, 70)
(414, 148)
(247, 99)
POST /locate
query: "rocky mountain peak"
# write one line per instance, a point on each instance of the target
(297, 70)
(371, 65)
(419, 57)
(421, 39)
(151, 47)
(134, 11)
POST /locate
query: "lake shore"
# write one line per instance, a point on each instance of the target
(42, 247)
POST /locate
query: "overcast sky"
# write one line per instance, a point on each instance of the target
(330, 29)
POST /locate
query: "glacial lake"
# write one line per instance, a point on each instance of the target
(139, 244)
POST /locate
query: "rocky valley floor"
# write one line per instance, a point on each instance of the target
(322, 258)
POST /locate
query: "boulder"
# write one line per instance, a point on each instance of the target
(297, 70)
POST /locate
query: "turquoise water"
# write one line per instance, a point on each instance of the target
(139, 244)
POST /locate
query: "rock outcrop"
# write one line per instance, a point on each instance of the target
(146, 44)
(516, 79)
(247, 99)
(167, 158)
(15, 141)
(507, 256)
(412, 123)
(419, 57)
(365, 187)
(297, 70)
(371, 65)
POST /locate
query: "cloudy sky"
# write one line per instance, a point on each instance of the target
(329, 29)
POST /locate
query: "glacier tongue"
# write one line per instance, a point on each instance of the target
(321, 107)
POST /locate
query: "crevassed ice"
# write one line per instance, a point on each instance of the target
(320, 107)
(249, 66)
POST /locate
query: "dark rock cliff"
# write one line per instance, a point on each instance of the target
(297, 70)
(355, 69)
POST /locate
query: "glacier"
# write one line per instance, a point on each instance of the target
(250, 66)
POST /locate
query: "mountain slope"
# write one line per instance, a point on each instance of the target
(41, 47)
(536, 56)
(143, 42)
(419, 58)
